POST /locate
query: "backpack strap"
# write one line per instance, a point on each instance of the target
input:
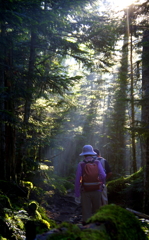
(82, 166)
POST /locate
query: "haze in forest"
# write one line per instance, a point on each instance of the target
(73, 73)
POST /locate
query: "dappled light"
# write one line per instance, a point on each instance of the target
(74, 73)
(120, 5)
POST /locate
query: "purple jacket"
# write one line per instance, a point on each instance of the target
(102, 176)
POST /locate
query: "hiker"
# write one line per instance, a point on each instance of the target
(88, 191)
(105, 164)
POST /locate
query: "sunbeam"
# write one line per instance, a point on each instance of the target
(120, 5)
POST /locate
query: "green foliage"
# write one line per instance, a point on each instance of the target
(59, 184)
(2, 238)
(5, 202)
(36, 39)
(37, 192)
(29, 186)
(145, 226)
(14, 222)
(68, 185)
(35, 216)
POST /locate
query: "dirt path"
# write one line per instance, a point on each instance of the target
(63, 208)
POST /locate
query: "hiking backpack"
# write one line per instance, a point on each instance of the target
(90, 176)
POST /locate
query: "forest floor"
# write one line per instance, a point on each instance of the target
(63, 208)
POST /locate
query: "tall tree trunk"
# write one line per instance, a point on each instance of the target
(7, 131)
(2, 103)
(145, 118)
(29, 94)
(134, 161)
(116, 129)
(30, 77)
(10, 127)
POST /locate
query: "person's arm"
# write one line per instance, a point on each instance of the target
(77, 180)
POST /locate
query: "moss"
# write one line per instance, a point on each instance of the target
(125, 190)
(70, 231)
(33, 205)
(44, 216)
(67, 231)
(2, 238)
(120, 223)
(69, 227)
(62, 236)
(111, 222)
(116, 185)
(33, 210)
(42, 226)
(136, 175)
(93, 234)
(28, 185)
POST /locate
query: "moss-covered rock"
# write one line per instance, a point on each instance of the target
(93, 234)
(111, 222)
(119, 223)
(125, 190)
(33, 210)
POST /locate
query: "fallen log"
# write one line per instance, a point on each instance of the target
(139, 214)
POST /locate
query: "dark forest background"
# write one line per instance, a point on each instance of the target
(73, 73)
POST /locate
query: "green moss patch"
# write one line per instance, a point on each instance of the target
(119, 223)
(111, 222)
(125, 190)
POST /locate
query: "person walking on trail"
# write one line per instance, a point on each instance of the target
(90, 177)
(105, 164)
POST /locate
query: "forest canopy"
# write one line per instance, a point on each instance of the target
(73, 73)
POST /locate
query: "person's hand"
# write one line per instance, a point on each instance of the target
(77, 200)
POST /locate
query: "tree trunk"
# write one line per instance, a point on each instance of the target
(145, 118)
(29, 87)
(29, 94)
(2, 104)
(9, 126)
(134, 161)
(116, 129)
(7, 131)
